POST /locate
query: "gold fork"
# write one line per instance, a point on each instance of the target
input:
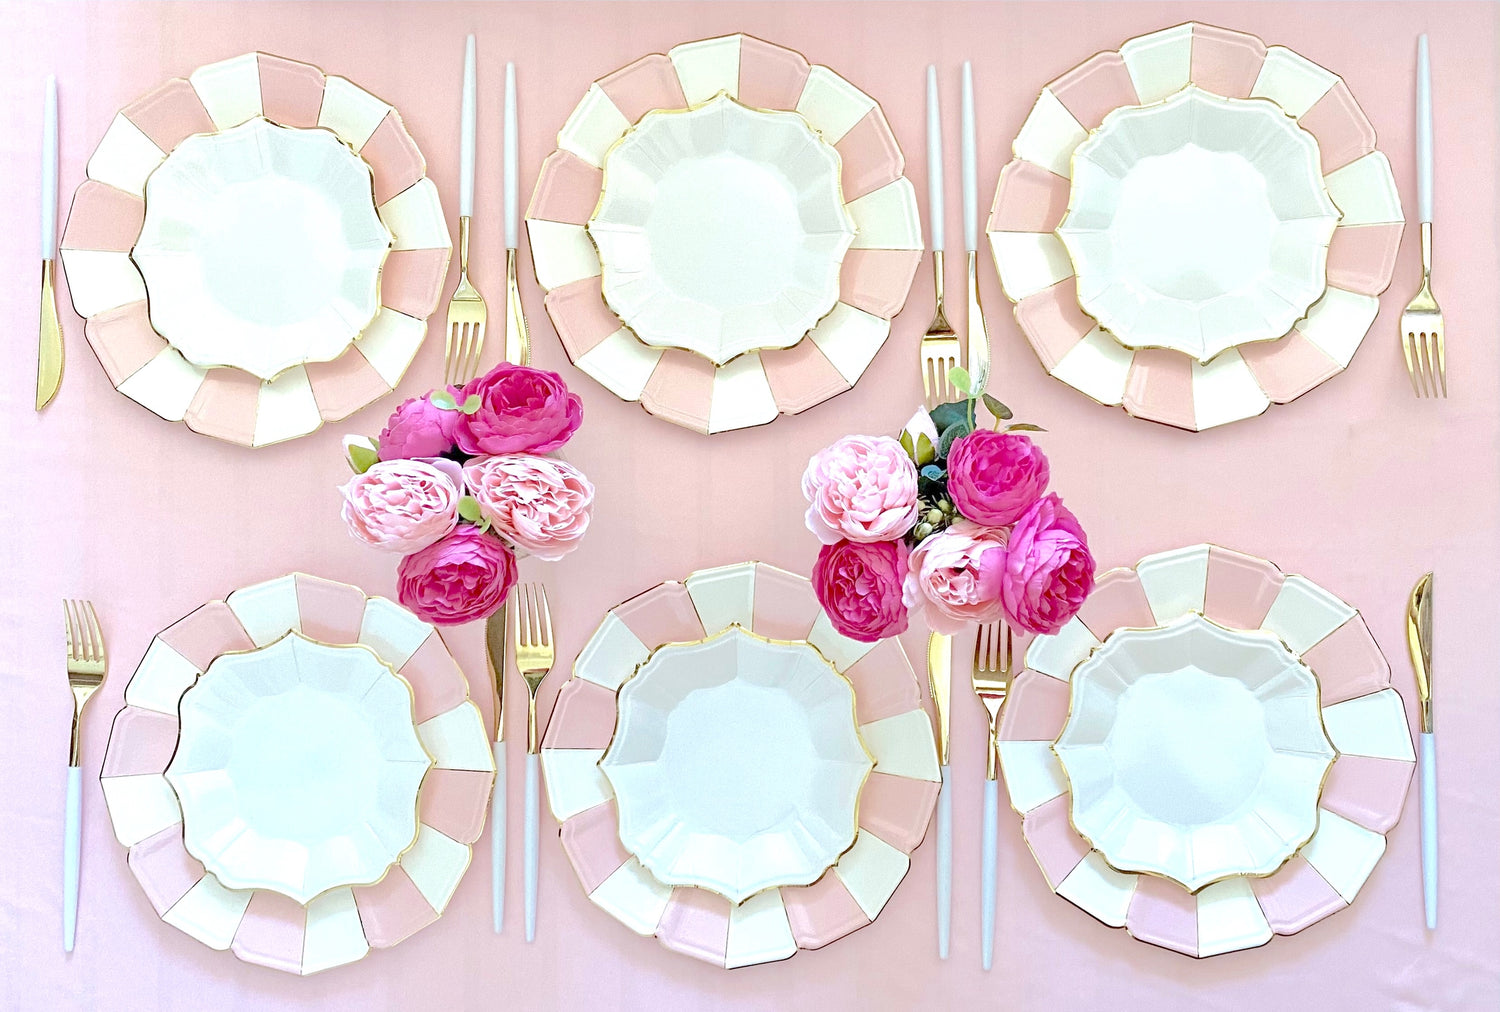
(87, 665)
(940, 351)
(1422, 322)
(466, 310)
(535, 655)
(993, 650)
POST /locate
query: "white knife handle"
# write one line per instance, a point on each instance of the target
(987, 856)
(49, 171)
(466, 138)
(71, 832)
(971, 165)
(944, 866)
(498, 811)
(512, 180)
(934, 160)
(532, 829)
(1429, 829)
(1424, 131)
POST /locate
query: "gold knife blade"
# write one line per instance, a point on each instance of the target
(517, 338)
(494, 646)
(49, 347)
(979, 338)
(1419, 644)
(939, 682)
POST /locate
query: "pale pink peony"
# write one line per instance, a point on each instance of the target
(859, 587)
(462, 578)
(994, 477)
(954, 577)
(863, 488)
(537, 503)
(401, 505)
(1047, 571)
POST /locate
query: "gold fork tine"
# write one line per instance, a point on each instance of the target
(546, 619)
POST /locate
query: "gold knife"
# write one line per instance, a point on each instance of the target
(978, 362)
(49, 348)
(494, 645)
(517, 338)
(1419, 646)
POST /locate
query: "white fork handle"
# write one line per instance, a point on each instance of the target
(498, 811)
(532, 830)
(944, 866)
(71, 832)
(1424, 131)
(511, 159)
(49, 171)
(987, 856)
(466, 138)
(970, 164)
(934, 160)
(1429, 829)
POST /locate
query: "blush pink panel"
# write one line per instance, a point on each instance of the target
(871, 157)
(770, 77)
(583, 716)
(1053, 321)
(591, 839)
(580, 315)
(1295, 897)
(437, 683)
(225, 405)
(392, 909)
(454, 802)
(103, 218)
(1159, 386)
(883, 682)
(1367, 790)
(1028, 199)
(1343, 130)
(785, 606)
(1164, 914)
(877, 280)
(822, 912)
(1036, 708)
(332, 612)
(567, 189)
(681, 388)
(1362, 257)
(897, 809)
(1348, 663)
(1054, 843)
(1118, 601)
(170, 114)
(291, 93)
(123, 340)
(393, 156)
(164, 868)
(1240, 589)
(206, 633)
(663, 614)
(411, 281)
(1289, 367)
(1094, 89)
(648, 83)
(696, 923)
(143, 742)
(272, 932)
(1224, 62)
(345, 385)
(801, 376)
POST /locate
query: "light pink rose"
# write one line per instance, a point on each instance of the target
(863, 488)
(1048, 571)
(538, 503)
(954, 577)
(461, 578)
(859, 587)
(401, 505)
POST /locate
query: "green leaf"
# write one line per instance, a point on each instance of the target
(960, 378)
(442, 399)
(952, 434)
(471, 404)
(906, 444)
(468, 508)
(997, 409)
(1024, 427)
(945, 415)
(361, 457)
(926, 452)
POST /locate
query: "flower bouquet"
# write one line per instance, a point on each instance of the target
(951, 521)
(459, 482)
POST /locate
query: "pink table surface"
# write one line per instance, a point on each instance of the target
(1358, 485)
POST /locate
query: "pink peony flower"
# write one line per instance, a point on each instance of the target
(521, 410)
(540, 504)
(401, 505)
(954, 576)
(461, 578)
(1047, 569)
(859, 586)
(994, 477)
(418, 428)
(863, 488)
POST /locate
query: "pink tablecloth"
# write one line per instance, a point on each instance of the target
(1358, 485)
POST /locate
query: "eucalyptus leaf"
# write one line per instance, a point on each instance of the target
(361, 456)
(926, 452)
(471, 404)
(468, 508)
(945, 415)
(1024, 427)
(952, 434)
(997, 409)
(961, 380)
(443, 399)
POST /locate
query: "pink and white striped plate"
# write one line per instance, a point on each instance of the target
(109, 209)
(260, 926)
(894, 807)
(1170, 386)
(876, 273)
(1364, 716)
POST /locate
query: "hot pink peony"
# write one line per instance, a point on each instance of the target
(521, 410)
(462, 578)
(540, 504)
(859, 586)
(863, 488)
(954, 576)
(994, 477)
(401, 505)
(418, 428)
(1047, 569)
